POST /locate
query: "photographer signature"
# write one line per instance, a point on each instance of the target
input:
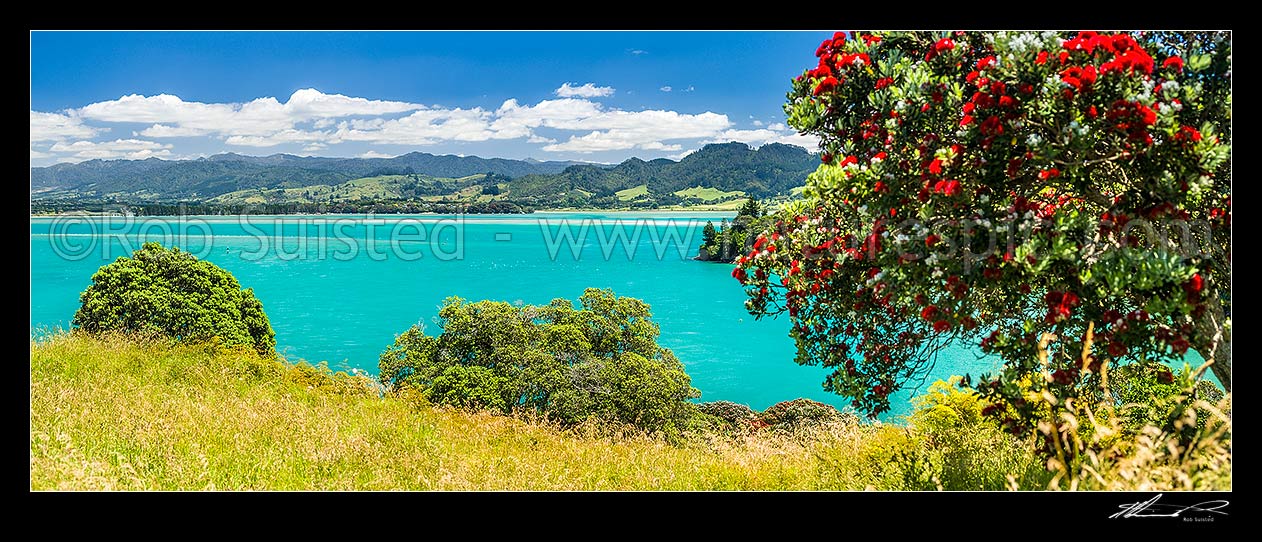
(1152, 509)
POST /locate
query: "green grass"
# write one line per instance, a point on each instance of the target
(708, 194)
(730, 205)
(122, 413)
(632, 193)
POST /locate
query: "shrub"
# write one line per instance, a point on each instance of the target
(802, 413)
(970, 451)
(598, 362)
(731, 413)
(172, 293)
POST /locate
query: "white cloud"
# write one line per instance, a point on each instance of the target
(131, 149)
(808, 142)
(612, 129)
(638, 52)
(426, 127)
(589, 90)
(279, 138)
(758, 122)
(57, 127)
(770, 134)
(665, 88)
(689, 89)
(375, 154)
(166, 130)
(37, 154)
(313, 121)
(259, 117)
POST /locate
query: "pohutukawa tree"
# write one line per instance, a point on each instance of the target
(1002, 188)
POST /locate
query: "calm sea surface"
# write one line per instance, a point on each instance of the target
(338, 288)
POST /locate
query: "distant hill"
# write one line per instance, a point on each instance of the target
(770, 170)
(206, 178)
(716, 172)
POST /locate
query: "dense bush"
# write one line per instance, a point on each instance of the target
(1011, 190)
(969, 451)
(801, 413)
(734, 414)
(1150, 393)
(172, 293)
(598, 362)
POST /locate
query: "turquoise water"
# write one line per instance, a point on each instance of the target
(327, 303)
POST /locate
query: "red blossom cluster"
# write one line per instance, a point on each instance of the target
(1132, 119)
(1060, 305)
(1124, 54)
(941, 46)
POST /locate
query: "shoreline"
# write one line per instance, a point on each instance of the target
(385, 215)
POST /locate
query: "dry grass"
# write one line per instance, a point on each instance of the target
(121, 413)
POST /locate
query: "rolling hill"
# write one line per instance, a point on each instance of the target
(205, 178)
(714, 174)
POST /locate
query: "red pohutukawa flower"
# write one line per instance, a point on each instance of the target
(1193, 288)
(826, 85)
(947, 188)
(935, 167)
(1060, 305)
(941, 46)
(1173, 62)
(1187, 135)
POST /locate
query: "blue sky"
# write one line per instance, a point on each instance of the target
(594, 96)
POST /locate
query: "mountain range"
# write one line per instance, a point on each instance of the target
(726, 167)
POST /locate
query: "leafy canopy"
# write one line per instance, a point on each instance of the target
(172, 293)
(600, 360)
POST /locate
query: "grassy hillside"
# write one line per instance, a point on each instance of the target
(633, 192)
(708, 194)
(119, 413)
(380, 187)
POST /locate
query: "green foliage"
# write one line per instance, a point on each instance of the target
(709, 238)
(600, 361)
(322, 379)
(172, 293)
(751, 209)
(732, 239)
(734, 414)
(971, 451)
(1149, 394)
